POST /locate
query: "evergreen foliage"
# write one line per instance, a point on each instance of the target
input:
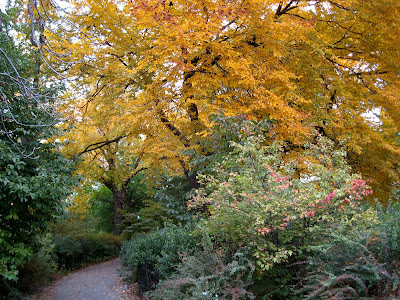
(349, 266)
(208, 274)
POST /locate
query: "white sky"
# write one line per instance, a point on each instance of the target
(3, 4)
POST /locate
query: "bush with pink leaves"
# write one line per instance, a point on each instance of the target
(279, 207)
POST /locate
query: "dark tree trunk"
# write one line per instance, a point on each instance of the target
(117, 217)
(192, 179)
(119, 195)
(119, 198)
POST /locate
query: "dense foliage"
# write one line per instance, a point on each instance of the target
(77, 242)
(350, 266)
(255, 198)
(168, 206)
(294, 228)
(356, 263)
(154, 256)
(98, 202)
(208, 274)
(101, 207)
(35, 178)
(73, 252)
(40, 268)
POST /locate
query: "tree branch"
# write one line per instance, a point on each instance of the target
(287, 8)
(100, 145)
(173, 129)
(126, 182)
(139, 170)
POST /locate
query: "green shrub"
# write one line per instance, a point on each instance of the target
(208, 274)
(35, 273)
(8, 291)
(277, 283)
(78, 244)
(151, 217)
(150, 257)
(168, 206)
(73, 252)
(40, 268)
(389, 225)
(349, 267)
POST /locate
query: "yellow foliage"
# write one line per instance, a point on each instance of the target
(79, 202)
(306, 65)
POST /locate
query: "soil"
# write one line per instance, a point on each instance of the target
(97, 282)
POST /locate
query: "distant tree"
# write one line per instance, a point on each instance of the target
(109, 161)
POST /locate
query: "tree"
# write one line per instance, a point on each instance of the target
(109, 166)
(35, 178)
(311, 67)
(112, 154)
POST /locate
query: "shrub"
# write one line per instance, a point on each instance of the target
(255, 198)
(389, 225)
(77, 244)
(35, 273)
(151, 217)
(277, 283)
(73, 224)
(40, 268)
(73, 252)
(150, 257)
(208, 274)
(169, 206)
(348, 267)
(8, 291)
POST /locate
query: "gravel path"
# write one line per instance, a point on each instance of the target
(98, 282)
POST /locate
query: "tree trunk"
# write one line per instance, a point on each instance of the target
(119, 195)
(117, 217)
(192, 179)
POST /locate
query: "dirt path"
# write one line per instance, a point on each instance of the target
(98, 282)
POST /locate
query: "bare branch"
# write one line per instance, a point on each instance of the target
(287, 8)
(99, 145)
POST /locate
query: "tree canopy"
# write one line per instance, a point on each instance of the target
(162, 67)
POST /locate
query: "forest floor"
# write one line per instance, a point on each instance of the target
(97, 282)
